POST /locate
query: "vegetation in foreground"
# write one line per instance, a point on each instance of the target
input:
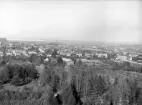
(79, 85)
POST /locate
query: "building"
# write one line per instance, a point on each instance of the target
(46, 60)
(102, 55)
(88, 55)
(121, 58)
(49, 55)
(32, 52)
(1, 54)
(41, 50)
(62, 53)
(68, 61)
(68, 54)
(79, 55)
(9, 53)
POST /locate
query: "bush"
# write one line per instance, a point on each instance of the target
(16, 81)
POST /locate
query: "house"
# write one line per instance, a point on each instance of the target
(68, 61)
(25, 48)
(1, 54)
(134, 64)
(11, 45)
(102, 55)
(121, 58)
(84, 60)
(129, 58)
(62, 53)
(16, 52)
(32, 52)
(68, 54)
(9, 53)
(47, 59)
(94, 47)
(25, 53)
(41, 50)
(19, 52)
(48, 55)
(80, 55)
(87, 55)
(40, 69)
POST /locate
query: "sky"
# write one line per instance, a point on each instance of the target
(106, 21)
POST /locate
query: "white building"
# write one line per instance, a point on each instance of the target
(87, 55)
(80, 55)
(48, 55)
(41, 50)
(68, 61)
(85, 60)
(1, 54)
(31, 52)
(9, 53)
(121, 58)
(25, 53)
(68, 54)
(102, 55)
(46, 60)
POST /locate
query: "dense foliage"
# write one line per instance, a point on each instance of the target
(73, 85)
(18, 74)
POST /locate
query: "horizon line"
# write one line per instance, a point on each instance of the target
(10, 39)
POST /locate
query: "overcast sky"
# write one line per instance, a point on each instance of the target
(109, 21)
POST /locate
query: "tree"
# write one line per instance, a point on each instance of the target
(71, 95)
(76, 94)
(83, 53)
(111, 103)
(18, 74)
(54, 53)
(79, 62)
(54, 97)
(55, 81)
(97, 86)
(16, 81)
(74, 60)
(48, 51)
(60, 60)
(134, 92)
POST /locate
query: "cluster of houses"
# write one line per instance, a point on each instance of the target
(125, 57)
(84, 53)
